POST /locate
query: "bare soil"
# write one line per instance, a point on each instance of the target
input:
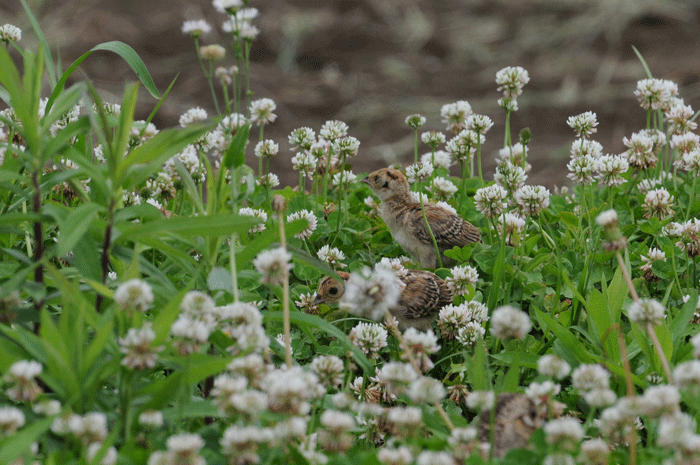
(371, 63)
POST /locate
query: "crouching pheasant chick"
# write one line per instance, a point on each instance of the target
(405, 220)
(423, 295)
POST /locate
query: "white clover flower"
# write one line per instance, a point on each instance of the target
(421, 344)
(415, 121)
(255, 213)
(405, 420)
(396, 264)
(426, 390)
(684, 143)
(584, 124)
(266, 149)
(9, 32)
(396, 376)
(47, 407)
(197, 304)
(675, 429)
(508, 104)
(273, 265)
(452, 318)
(433, 138)
(370, 294)
(419, 197)
(329, 369)
(582, 147)
(463, 279)
(455, 115)
(214, 52)
(11, 419)
(134, 294)
(460, 148)
(110, 457)
(223, 6)
(679, 117)
(241, 443)
(305, 163)
(588, 377)
(691, 162)
(193, 116)
(546, 389)
(442, 188)
(479, 123)
(507, 321)
(654, 93)
(137, 349)
(190, 333)
(470, 333)
(490, 200)
(595, 451)
(196, 28)
(332, 130)
(332, 256)
(261, 111)
(289, 390)
(511, 81)
(646, 311)
(337, 421)
(151, 418)
(246, 14)
(581, 169)
(600, 397)
(344, 178)
(310, 218)
(687, 375)
(429, 457)
(302, 138)
(610, 169)
(513, 227)
(551, 365)
(640, 150)
(532, 199)
(510, 176)
(439, 159)
(269, 179)
(657, 203)
(695, 341)
(565, 433)
(249, 32)
(369, 337)
(515, 155)
(23, 370)
(481, 401)
(607, 218)
(418, 172)
(346, 146)
(662, 399)
(400, 455)
(653, 255)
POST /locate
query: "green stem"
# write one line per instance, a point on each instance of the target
(285, 299)
(415, 145)
(692, 197)
(430, 231)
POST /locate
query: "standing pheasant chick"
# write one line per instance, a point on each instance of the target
(405, 220)
(423, 295)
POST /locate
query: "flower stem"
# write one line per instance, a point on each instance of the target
(285, 299)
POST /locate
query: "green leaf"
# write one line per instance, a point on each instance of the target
(75, 225)
(567, 338)
(644, 63)
(235, 155)
(121, 49)
(321, 324)
(222, 224)
(16, 445)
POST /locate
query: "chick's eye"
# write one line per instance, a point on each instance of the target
(333, 290)
(533, 413)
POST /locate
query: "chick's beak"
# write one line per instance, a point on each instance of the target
(318, 300)
(365, 180)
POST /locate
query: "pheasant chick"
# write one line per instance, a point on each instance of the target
(405, 220)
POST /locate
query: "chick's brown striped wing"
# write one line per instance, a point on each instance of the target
(450, 230)
(424, 295)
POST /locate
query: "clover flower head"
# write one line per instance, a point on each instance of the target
(261, 111)
(511, 81)
(439, 159)
(369, 337)
(415, 121)
(584, 124)
(371, 293)
(332, 130)
(646, 311)
(507, 321)
(311, 220)
(266, 149)
(455, 115)
(255, 213)
(10, 32)
(196, 28)
(273, 265)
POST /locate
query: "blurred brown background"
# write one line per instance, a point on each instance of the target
(371, 63)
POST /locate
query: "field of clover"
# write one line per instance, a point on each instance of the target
(157, 294)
